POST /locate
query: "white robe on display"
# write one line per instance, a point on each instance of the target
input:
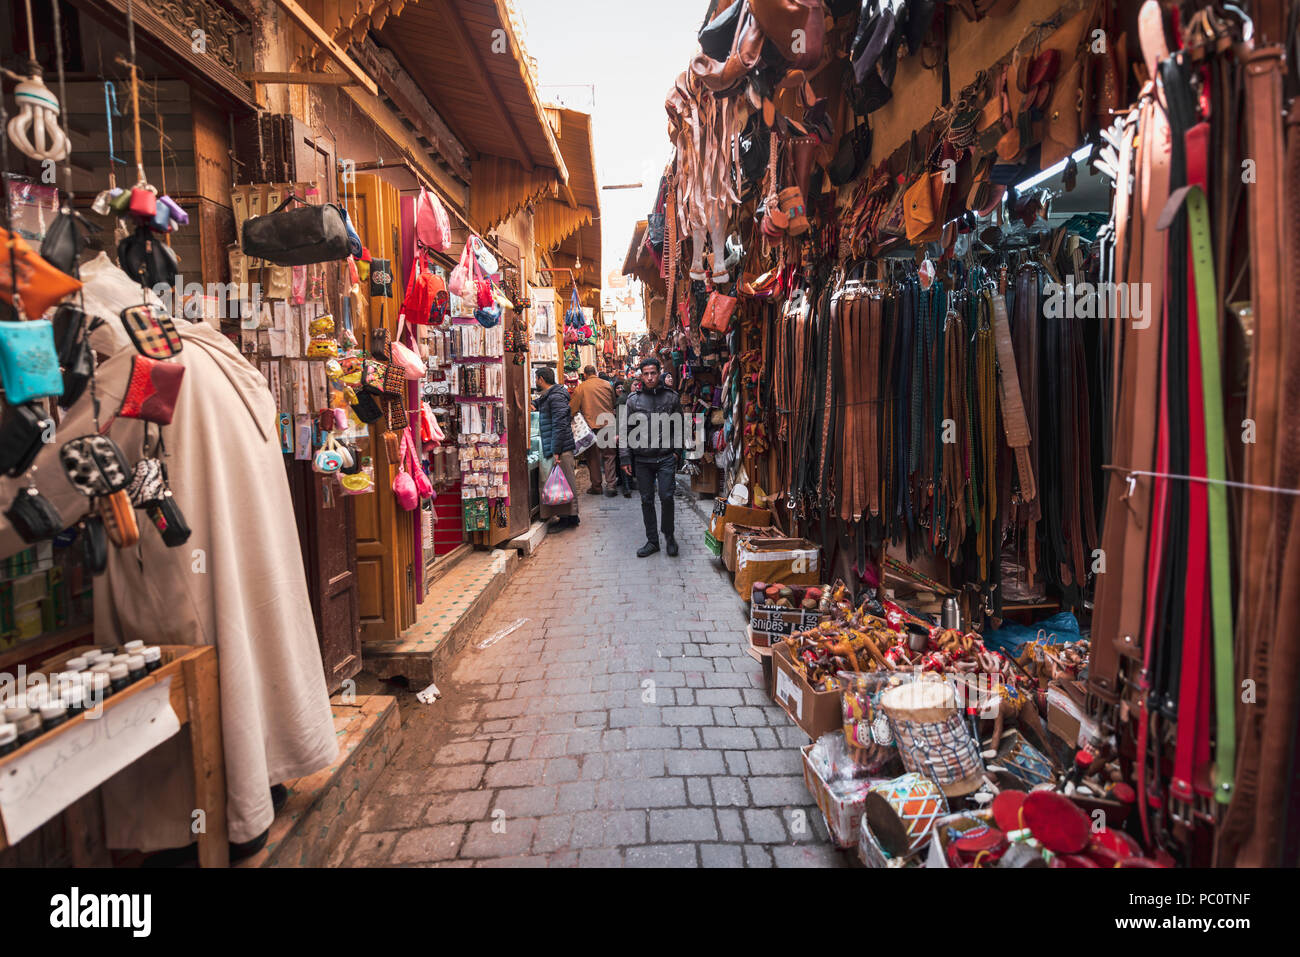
(238, 583)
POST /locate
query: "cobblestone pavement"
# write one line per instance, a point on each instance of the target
(622, 725)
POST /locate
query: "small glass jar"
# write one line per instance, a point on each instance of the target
(134, 647)
(152, 658)
(119, 676)
(98, 655)
(29, 728)
(120, 659)
(16, 709)
(8, 738)
(53, 715)
(100, 688)
(76, 664)
(74, 699)
(135, 667)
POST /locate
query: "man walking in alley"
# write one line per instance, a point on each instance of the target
(594, 398)
(556, 431)
(652, 451)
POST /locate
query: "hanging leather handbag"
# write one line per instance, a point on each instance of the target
(717, 36)
(94, 544)
(718, 312)
(366, 408)
(152, 390)
(24, 429)
(95, 465)
(147, 482)
(118, 515)
(796, 28)
(168, 518)
(297, 237)
(147, 259)
(40, 285)
(151, 331)
(76, 359)
(852, 155)
(726, 75)
(33, 517)
(65, 239)
(29, 363)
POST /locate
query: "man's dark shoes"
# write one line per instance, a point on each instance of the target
(610, 493)
(593, 491)
(627, 493)
(672, 547)
(648, 549)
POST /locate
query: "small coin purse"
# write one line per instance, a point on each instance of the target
(95, 465)
(29, 362)
(33, 517)
(152, 332)
(152, 390)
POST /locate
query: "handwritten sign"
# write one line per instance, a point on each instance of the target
(49, 777)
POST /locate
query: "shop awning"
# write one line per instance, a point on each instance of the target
(639, 263)
(467, 59)
(576, 205)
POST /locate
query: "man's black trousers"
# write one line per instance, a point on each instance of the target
(656, 475)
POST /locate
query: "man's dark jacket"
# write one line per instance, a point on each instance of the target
(554, 422)
(647, 402)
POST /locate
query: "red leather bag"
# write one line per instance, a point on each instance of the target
(152, 390)
(718, 312)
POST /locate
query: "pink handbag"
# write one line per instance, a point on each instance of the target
(423, 487)
(461, 281)
(432, 227)
(408, 497)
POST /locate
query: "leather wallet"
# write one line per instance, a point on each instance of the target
(151, 390)
(151, 331)
(24, 427)
(33, 517)
(167, 517)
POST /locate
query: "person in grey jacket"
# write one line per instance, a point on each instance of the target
(556, 427)
(653, 450)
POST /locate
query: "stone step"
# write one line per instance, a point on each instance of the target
(321, 806)
(448, 616)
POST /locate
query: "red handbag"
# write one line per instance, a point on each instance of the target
(152, 390)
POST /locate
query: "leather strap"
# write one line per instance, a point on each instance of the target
(1014, 422)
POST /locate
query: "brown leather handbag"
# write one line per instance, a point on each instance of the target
(797, 28)
(727, 77)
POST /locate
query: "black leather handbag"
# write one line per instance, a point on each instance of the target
(852, 155)
(718, 35)
(33, 516)
(297, 237)
(167, 517)
(23, 430)
(147, 259)
(94, 544)
(75, 357)
(65, 239)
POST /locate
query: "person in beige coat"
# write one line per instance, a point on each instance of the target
(593, 398)
(238, 583)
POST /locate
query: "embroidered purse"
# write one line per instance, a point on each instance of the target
(29, 363)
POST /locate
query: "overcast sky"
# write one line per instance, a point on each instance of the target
(630, 51)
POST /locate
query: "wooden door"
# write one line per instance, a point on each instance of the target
(325, 518)
(385, 534)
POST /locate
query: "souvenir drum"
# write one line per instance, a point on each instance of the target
(901, 813)
(931, 737)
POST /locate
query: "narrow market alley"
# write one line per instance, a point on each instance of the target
(622, 724)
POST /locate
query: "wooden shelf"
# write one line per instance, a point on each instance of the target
(194, 696)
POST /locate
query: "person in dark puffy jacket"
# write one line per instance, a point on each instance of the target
(653, 451)
(556, 427)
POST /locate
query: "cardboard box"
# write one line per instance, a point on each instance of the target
(816, 712)
(843, 816)
(1067, 713)
(791, 561)
(724, 515)
(770, 623)
(734, 532)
